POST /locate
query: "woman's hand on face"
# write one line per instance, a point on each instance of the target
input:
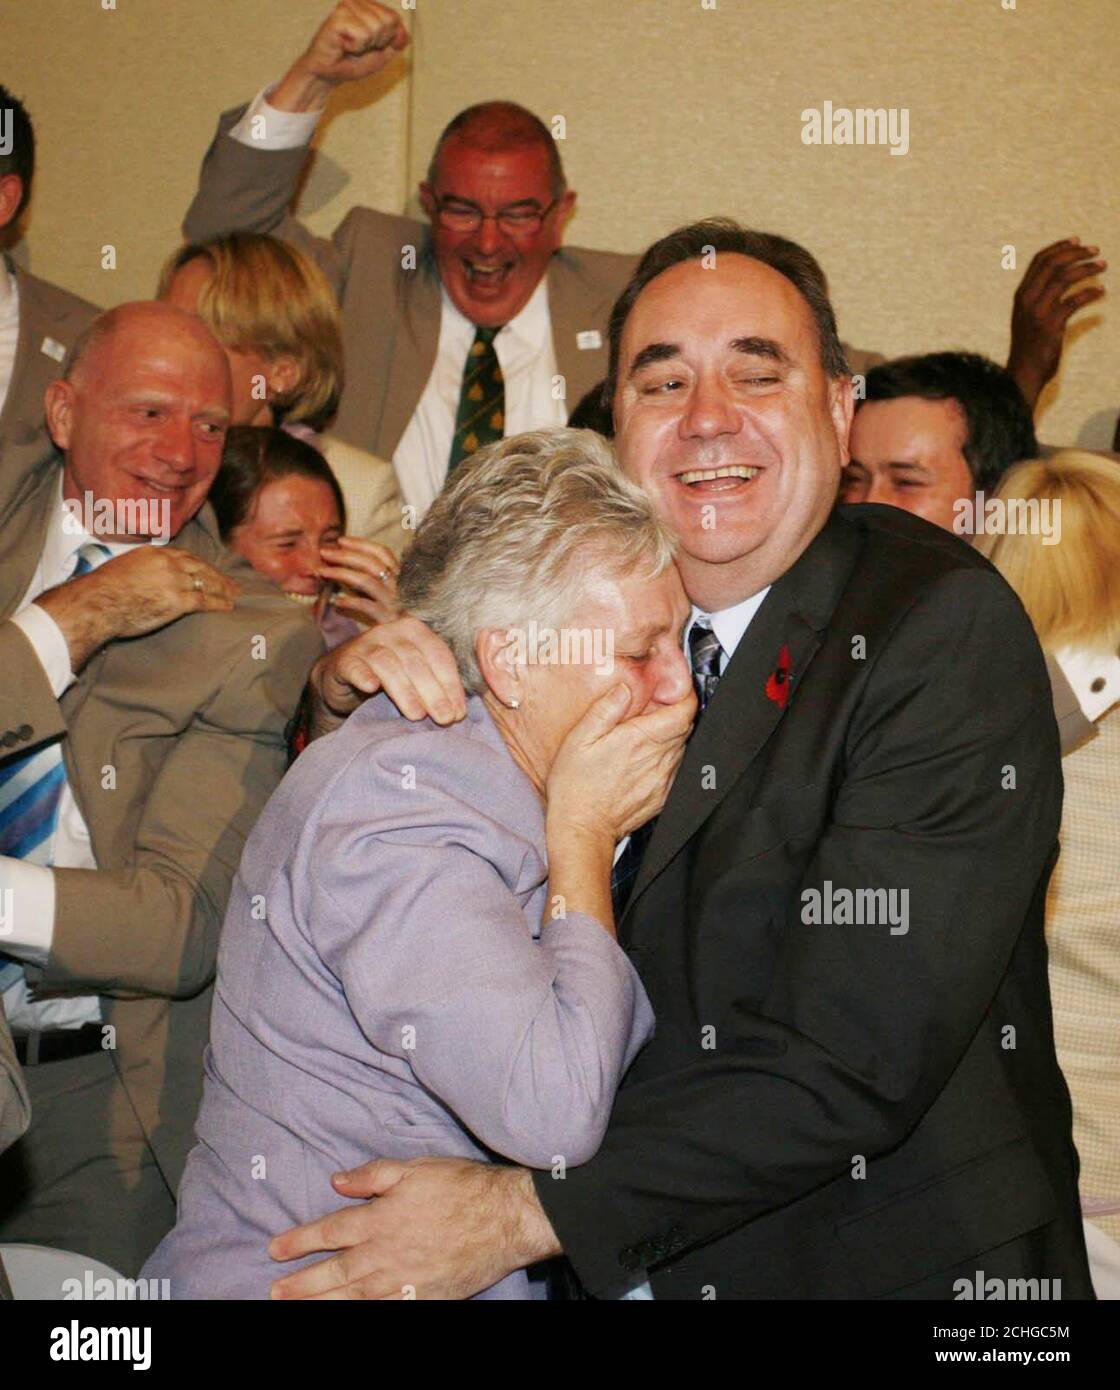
(370, 570)
(613, 773)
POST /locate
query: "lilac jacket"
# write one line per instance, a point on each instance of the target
(385, 989)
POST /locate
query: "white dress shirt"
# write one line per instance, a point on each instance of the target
(1094, 678)
(524, 346)
(9, 330)
(32, 885)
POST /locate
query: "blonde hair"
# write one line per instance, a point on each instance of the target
(518, 529)
(266, 297)
(1071, 589)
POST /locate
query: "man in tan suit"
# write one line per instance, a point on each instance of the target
(489, 273)
(159, 679)
(38, 321)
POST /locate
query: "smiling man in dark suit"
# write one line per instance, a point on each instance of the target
(852, 1090)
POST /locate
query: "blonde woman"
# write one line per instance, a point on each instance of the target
(1070, 587)
(275, 315)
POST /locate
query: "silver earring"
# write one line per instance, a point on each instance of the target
(515, 704)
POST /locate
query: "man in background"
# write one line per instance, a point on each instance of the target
(147, 687)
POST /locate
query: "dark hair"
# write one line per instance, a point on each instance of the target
(21, 158)
(255, 455)
(999, 430)
(592, 414)
(721, 234)
(501, 125)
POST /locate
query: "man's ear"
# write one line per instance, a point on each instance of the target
(427, 199)
(11, 195)
(58, 406)
(565, 209)
(495, 650)
(282, 375)
(841, 407)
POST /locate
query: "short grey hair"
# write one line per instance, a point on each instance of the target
(517, 530)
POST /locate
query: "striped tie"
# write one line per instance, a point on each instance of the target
(481, 417)
(705, 653)
(31, 788)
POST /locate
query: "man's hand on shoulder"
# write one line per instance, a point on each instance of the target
(404, 658)
(357, 39)
(432, 1228)
(134, 594)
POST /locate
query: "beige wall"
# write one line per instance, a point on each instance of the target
(672, 110)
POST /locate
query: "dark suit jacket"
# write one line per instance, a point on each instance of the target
(191, 720)
(391, 316)
(49, 320)
(839, 1110)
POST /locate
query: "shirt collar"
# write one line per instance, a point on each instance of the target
(8, 291)
(1094, 678)
(729, 624)
(65, 537)
(529, 327)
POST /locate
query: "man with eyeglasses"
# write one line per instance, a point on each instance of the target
(455, 334)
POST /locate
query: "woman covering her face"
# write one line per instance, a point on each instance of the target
(419, 954)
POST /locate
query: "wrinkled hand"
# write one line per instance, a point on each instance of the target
(135, 593)
(370, 570)
(404, 658)
(435, 1228)
(612, 773)
(1043, 307)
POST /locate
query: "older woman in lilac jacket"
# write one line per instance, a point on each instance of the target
(419, 954)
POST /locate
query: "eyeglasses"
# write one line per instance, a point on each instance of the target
(456, 216)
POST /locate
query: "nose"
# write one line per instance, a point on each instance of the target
(673, 679)
(175, 446)
(488, 238)
(711, 410)
(878, 489)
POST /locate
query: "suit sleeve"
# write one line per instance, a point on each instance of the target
(15, 1108)
(524, 1041)
(951, 792)
(151, 928)
(241, 189)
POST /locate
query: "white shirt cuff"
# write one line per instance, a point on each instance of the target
(26, 910)
(1094, 678)
(264, 128)
(46, 637)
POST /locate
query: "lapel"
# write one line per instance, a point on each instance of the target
(575, 307)
(23, 534)
(741, 716)
(414, 352)
(23, 439)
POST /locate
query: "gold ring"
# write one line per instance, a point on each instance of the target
(197, 584)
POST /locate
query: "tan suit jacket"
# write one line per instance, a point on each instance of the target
(173, 743)
(15, 1110)
(390, 316)
(49, 320)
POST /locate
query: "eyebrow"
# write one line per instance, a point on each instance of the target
(505, 207)
(748, 347)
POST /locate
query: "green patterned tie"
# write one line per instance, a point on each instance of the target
(481, 416)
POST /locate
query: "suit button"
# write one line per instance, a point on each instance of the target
(9, 739)
(24, 732)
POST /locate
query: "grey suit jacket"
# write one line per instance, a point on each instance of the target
(190, 722)
(390, 316)
(385, 989)
(49, 321)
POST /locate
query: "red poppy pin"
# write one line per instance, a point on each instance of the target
(777, 683)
